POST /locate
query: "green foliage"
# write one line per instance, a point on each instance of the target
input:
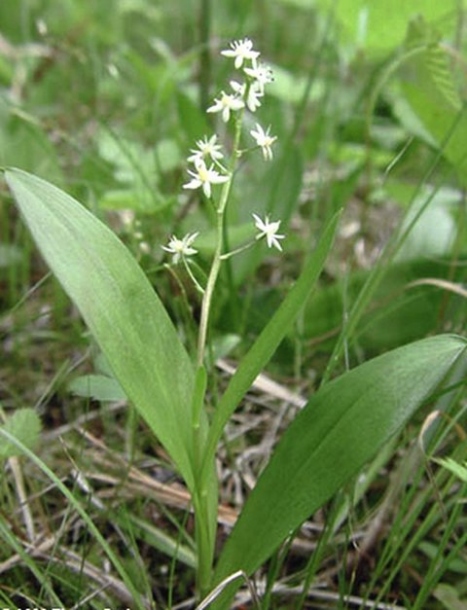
(460, 470)
(368, 104)
(428, 86)
(76, 504)
(98, 387)
(25, 426)
(276, 329)
(24, 143)
(119, 306)
(340, 429)
(400, 310)
(375, 26)
(434, 230)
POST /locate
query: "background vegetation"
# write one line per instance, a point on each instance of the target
(105, 99)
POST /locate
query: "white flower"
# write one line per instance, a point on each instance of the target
(225, 104)
(204, 177)
(181, 247)
(242, 50)
(261, 74)
(269, 230)
(206, 148)
(252, 98)
(264, 140)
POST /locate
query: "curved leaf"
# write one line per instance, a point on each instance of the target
(341, 428)
(120, 307)
(271, 336)
(428, 86)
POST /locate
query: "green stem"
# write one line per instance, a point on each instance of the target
(209, 291)
(204, 503)
(204, 494)
(228, 255)
(204, 542)
(197, 285)
(216, 263)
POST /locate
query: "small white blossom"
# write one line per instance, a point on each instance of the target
(181, 247)
(253, 95)
(225, 105)
(261, 74)
(206, 149)
(204, 177)
(241, 50)
(264, 140)
(269, 230)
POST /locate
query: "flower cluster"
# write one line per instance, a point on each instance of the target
(256, 74)
(207, 158)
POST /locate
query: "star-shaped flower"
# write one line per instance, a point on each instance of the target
(204, 177)
(181, 247)
(261, 74)
(241, 50)
(225, 105)
(269, 230)
(206, 149)
(264, 140)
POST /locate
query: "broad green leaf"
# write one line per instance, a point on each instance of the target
(434, 231)
(375, 25)
(24, 425)
(428, 86)
(120, 307)
(342, 427)
(98, 387)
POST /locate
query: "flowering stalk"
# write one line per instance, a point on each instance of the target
(209, 170)
(217, 260)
